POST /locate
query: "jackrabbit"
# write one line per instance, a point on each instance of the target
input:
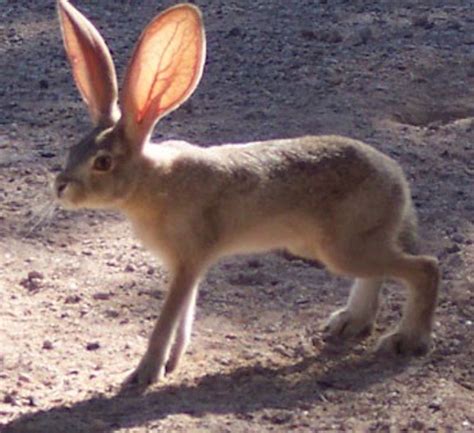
(328, 198)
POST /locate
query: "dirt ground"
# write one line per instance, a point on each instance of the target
(79, 295)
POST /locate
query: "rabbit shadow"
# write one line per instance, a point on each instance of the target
(241, 392)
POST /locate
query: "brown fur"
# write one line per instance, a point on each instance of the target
(326, 198)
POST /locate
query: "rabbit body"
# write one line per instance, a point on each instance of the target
(328, 198)
(304, 195)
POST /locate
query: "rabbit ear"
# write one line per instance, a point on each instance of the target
(165, 68)
(91, 63)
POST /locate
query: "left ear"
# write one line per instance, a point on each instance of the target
(91, 62)
(165, 69)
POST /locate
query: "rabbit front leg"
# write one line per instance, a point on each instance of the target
(357, 317)
(152, 365)
(183, 334)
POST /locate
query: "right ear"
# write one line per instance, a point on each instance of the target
(92, 64)
(165, 68)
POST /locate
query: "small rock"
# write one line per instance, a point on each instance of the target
(435, 405)
(332, 36)
(417, 425)
(102, 296)
(43, 84)
(247, 279)
(72, 299)
(364, 35)
(279, 418)
(47, 345)
(129, 268)
(47, 154)
(24, 378)
(33, 282)
(35, 275)
(230, 336)
(92, 346)
(112, 314)
(150, 271)
(454, 248)
(254, 263)
(234, 32)
(10, 398)
(423, 21)
(309, 35)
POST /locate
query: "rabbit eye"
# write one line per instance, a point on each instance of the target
(103, 163)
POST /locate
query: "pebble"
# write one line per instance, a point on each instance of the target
(454, 248)
(33, 282)
(279, 418)
(47, 345)
(417, 425)
(35, 275)
(150, 271)
(423, 21)
(112, 314)
(9, 398)
(102, 296)
(92, 346)
(364, 35)
(129, 268)
(72, 299)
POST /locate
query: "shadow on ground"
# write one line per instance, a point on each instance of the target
(237, 392)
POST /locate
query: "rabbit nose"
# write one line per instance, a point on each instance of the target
(60, 186)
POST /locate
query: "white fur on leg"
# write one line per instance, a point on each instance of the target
(358, 316)
(183, 334)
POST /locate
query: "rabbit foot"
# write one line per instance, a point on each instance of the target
(148, 372)
(405, 344)
(344, 324)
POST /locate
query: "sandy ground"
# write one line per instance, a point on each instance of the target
(78, 295)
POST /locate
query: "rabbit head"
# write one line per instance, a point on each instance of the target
(165, 68)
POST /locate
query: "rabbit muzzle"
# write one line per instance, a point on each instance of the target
(65, 191)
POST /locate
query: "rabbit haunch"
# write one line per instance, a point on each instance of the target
(328, 198)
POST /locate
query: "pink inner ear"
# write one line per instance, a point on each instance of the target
(91, 63)
(165, 67)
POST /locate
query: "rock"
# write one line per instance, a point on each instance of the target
(35, 275)
(10, 398)
(47, 345)
(92, 346)
(33, 282)
(331, 36)
(364, 35)
(422, 21)
(112, 314)
(454, 248)
(150, 271)
(234, 32)
(310, 35)
(72, 299)
(129, 268)
(102, 296)
(47, 154)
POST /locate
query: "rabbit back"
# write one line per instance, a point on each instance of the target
(264, 195)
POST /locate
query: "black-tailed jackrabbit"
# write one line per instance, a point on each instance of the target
(327, 198)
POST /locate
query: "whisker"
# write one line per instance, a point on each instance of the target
(40, 218)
